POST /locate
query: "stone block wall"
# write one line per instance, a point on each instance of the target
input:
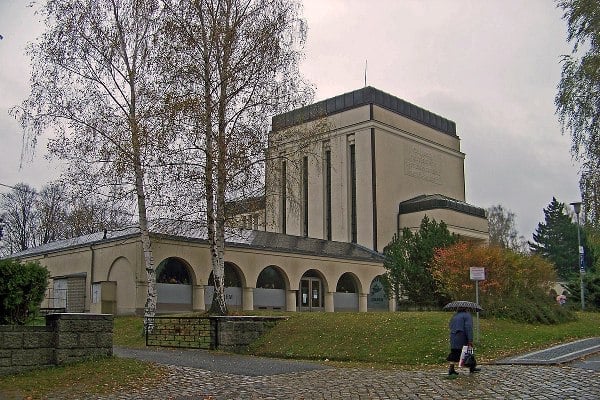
(236, 333)
(65, 338)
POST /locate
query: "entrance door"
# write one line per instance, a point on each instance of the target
(311, 297)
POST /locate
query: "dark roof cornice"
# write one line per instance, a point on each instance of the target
(438, 201)
(358, 98)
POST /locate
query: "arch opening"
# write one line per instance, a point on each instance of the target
(346, 294)
(270, 289)
(173, 286)
(233, 287)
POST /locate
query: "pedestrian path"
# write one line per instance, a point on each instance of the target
(228, 363)
(560, 354)
(206, 375)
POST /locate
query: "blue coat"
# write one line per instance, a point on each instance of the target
(461, 330)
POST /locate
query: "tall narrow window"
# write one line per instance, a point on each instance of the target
(305, 195)
(353, 235)
(328, 234)
(283, 205)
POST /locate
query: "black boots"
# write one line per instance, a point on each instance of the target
(452, 371)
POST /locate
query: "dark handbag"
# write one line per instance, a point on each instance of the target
(470, 361)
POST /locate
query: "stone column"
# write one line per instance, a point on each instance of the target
(248, 299)
(198, 298)
(329, 306)
(290, 300)
(362, 302)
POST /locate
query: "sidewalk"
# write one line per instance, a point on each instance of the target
(556, 355)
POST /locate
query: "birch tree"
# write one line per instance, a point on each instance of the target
(578, 98)
(233, 65)
(92, 86)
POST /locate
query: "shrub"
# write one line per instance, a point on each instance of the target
(22, 288)
(535, 309)
(508, 274)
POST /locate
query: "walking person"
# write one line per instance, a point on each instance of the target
(461, 334)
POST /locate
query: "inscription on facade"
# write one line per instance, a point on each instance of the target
(422, 164)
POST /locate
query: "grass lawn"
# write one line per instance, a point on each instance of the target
(406, 338)
(93, 377)
(386, 340)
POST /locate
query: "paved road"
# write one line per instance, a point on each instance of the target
(198, 374)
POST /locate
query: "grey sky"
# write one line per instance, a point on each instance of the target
(491, 66)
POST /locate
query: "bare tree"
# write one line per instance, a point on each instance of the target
(93, 84)
(92, 214)
(234, 63)
(19, 215)
(51, 212)
(503, 232)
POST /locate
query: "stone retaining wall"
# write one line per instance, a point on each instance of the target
(227, 333)
(236, 333)
(65, 338)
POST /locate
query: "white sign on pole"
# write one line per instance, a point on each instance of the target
(477, 273)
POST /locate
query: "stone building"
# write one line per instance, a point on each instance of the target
(369, 165)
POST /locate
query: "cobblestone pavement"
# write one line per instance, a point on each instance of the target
(216, 376)
(493, 382)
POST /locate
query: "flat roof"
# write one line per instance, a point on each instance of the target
(358, 98)
(235, 238)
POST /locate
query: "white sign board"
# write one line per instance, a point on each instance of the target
(477, 273)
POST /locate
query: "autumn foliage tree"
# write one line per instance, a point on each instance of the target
(516, 284)
(508, 274)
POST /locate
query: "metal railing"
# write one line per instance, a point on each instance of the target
(182, 332)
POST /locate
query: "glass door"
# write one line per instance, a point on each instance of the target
(311, 297)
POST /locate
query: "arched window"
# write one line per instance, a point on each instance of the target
(346, 284)
(173, 270)
(232, 279)
(270, 278)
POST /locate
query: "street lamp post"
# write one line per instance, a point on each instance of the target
(577, 207)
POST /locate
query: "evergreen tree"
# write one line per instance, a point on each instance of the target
(408, 258)
(556, 239)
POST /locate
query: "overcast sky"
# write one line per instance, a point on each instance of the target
(491, 66)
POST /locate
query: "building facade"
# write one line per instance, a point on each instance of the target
(344, 176)
(376, 165)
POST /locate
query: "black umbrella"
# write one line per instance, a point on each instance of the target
(462, 304)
